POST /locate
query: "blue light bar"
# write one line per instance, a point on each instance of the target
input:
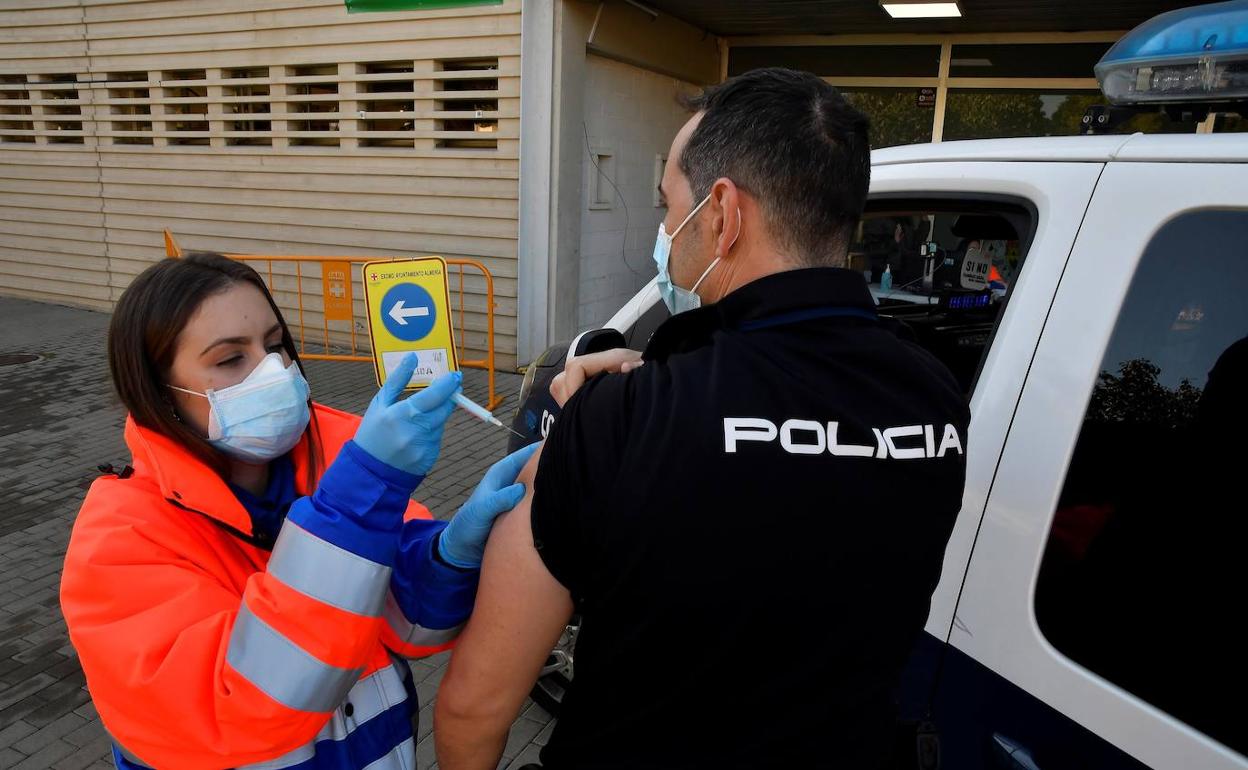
(1191, 55)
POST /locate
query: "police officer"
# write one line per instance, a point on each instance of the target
(751, 522)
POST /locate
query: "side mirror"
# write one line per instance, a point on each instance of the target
(596, 341)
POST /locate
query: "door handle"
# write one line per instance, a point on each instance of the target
(1011, 755)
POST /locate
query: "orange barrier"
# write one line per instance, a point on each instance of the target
(172, 249)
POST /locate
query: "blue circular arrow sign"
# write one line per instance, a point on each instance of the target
(408, 312)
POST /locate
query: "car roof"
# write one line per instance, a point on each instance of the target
(1177, 148)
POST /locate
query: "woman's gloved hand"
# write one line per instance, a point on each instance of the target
(407, 434)
(462, 543)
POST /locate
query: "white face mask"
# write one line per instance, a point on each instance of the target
(262, 417)
(679, 300)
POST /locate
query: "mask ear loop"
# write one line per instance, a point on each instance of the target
(691, 215)
(705, 273)
(188, 392)
(738, 235)
(716, 261)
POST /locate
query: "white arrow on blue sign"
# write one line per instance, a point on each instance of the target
(408, 312)
(400, 314)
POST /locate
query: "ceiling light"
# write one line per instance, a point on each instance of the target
(920, 9)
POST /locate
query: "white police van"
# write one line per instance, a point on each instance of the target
(1091, 294)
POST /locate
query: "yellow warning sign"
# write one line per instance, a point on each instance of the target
(409, 311)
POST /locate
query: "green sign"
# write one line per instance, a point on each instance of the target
(361, 6)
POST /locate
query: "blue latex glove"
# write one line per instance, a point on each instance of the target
(407, 434)
(463, 541)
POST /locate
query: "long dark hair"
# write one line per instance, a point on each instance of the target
(143, 335)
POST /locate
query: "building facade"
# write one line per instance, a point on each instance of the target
(299, 129)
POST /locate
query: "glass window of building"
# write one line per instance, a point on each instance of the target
(981, 113)
(1050, 60)
(895, 113)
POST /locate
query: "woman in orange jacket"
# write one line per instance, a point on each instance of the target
(244, 596)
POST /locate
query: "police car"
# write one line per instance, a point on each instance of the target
(1091, 295)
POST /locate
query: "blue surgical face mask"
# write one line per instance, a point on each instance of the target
(262, 417)
(679, 300)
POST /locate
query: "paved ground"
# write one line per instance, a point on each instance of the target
(59, 419)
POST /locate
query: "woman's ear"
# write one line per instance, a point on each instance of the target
(167, 397)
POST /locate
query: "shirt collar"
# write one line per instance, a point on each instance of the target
(268, 510)
(279, 490)
(769, 296)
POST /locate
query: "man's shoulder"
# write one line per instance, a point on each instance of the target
(622, 398)
(606, 393)
(596, 423)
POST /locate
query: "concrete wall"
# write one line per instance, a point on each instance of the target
(573, 23)
(630, 117)
(553, 176)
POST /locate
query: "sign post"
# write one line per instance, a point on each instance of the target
(409, 312)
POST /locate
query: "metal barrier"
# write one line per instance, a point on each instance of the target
(172, 249)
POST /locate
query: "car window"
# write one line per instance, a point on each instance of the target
(1143, 577)
(943, 270)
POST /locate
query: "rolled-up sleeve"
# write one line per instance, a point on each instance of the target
(579, 463)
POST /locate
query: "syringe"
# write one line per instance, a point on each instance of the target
(480, 412)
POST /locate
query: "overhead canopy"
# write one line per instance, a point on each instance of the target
(734, 18)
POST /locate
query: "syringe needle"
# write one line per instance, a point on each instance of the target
(480, 412)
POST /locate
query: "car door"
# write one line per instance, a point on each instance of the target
(1057, 194)
(1099, 622)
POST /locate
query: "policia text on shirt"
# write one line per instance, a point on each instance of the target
(809, 437)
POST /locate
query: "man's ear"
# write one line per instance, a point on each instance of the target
(726, 199)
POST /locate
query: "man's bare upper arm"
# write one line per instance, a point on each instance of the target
(520, 611)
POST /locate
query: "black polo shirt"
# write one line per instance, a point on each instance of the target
(752, 525)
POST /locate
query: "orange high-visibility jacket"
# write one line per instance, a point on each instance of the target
(202, 649)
